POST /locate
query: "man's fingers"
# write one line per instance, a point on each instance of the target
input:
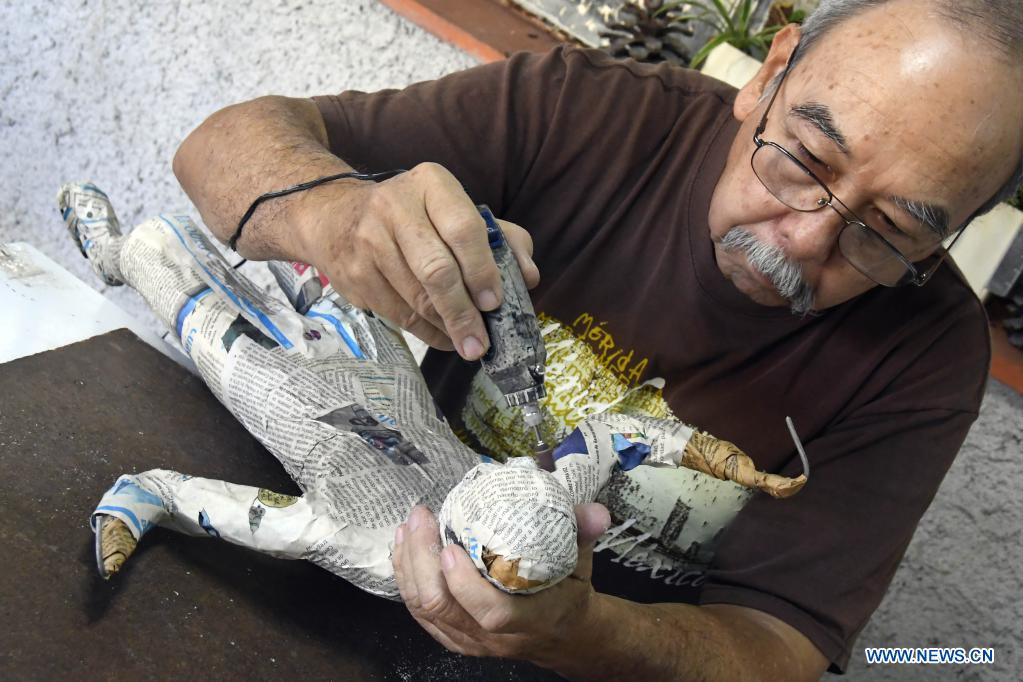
(483, 602)
(407, 589)
(422, 547)
(406, 586)
(409, 320)
(460, 225)
(391, 264)
(424, 237)
(423, 585)
(436, 268)
(592, 520)
(522, 246)
(466, 236)
(389, 304)
(379, 296)
(433, 337)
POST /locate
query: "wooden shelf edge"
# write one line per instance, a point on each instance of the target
(1006, 360)
(487, 29)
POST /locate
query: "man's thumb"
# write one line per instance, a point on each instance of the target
(593, 520)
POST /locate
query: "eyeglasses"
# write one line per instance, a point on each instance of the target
(790, 181)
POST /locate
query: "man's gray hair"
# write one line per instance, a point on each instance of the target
(998, 23)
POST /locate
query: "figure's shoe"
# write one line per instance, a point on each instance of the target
(94, 227)
(114, 544)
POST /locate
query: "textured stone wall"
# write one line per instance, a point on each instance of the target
(106, 90)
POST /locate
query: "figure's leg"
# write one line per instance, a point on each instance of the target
(145, 260)
(284, 526)
(94, 227)
(154, 261)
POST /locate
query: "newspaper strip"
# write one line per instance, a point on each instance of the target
(337, 397)
(301, 283)
(291, 331)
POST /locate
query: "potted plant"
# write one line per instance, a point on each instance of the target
(685, 32)
(739, 26)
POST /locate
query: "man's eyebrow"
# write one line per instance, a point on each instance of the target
(819, 115)
(933, 216)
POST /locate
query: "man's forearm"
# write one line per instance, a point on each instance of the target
(246, 150)
(623, 639)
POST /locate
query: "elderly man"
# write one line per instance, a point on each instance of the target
(768, 252)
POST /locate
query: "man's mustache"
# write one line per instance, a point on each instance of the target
(772, 263)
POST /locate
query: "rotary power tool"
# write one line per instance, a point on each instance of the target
(516, 359)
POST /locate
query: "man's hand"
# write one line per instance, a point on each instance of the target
(413, 249)
(446, 594)
(583, 634)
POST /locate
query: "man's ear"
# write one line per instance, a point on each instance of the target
(784, 44)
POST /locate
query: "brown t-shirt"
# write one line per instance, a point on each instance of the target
(611, 165)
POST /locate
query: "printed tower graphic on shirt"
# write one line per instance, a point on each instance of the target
(664, 519)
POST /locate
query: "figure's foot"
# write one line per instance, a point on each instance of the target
(94, 227)
(114, 544)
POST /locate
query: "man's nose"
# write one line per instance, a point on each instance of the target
(811, 237)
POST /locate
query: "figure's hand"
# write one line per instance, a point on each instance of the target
(446, 594)
(413, 249)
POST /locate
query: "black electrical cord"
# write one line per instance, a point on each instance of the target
(301, 187)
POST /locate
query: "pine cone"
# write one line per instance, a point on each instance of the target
(644, 35)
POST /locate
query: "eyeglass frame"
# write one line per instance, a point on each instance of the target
(916, 277)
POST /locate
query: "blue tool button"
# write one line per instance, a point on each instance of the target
(494, 234)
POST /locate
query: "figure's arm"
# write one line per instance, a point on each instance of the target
(412, 248)
(586, 635)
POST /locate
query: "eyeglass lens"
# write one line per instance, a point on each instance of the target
(792, 185)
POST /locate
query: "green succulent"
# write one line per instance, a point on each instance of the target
(1016, 201)
(734, 27)
(659, 31)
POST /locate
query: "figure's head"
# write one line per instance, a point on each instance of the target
(910, 112)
